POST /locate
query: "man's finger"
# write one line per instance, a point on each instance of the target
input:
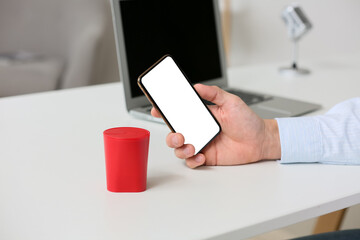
(186, 151)
(175, 140)
(155, 113)
(196, 161)
(213, 94)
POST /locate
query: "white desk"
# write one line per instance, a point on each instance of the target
(52, 174)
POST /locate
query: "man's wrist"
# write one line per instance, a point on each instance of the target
(271, 147)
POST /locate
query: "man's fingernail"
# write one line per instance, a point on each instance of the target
(199, 159)
(175, 141)
(188, 151)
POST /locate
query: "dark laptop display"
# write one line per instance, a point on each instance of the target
(186, 30)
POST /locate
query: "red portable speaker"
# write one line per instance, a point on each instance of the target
(126, 154)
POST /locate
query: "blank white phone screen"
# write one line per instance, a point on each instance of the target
(180, 104)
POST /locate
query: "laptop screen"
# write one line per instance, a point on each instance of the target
(184, 29)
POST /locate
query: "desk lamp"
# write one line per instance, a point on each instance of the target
(297, 25)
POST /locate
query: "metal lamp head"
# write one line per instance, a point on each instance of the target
(296, 22)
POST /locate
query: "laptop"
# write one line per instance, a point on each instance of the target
(190, 31)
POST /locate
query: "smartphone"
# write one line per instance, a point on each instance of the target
(171, 93)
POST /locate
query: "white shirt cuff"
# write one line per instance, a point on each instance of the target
(300, 140)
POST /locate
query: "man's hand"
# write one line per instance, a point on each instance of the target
(245, 137)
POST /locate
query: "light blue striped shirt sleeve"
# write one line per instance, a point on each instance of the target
(332, 138)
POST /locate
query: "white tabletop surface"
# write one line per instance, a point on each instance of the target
(52, 172)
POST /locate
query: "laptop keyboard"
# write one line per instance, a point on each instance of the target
(250, 98)
(148, 108)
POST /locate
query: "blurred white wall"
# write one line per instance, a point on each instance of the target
(260, 36)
